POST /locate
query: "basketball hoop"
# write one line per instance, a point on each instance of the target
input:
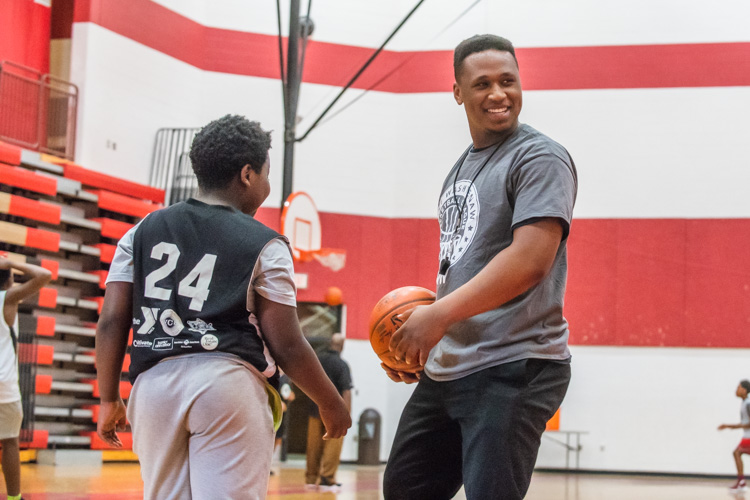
(332, 258)
(300, 223)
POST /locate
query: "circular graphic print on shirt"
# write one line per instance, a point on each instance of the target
(209, 342)
(456, 235)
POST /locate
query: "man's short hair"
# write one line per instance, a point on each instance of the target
(223, 147)
(745, 385)
(480, 43)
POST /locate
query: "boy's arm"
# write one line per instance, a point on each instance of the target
(111, 343)
(294, 355)
(39, 277)
(734, 426)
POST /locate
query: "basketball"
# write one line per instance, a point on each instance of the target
(334, 296)
(384, 321)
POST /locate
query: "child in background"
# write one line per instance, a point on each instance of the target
(11, 413)
(744, 447)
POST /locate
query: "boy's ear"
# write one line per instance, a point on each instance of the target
(246, 175)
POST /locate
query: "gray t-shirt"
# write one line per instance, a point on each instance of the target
(529, 177)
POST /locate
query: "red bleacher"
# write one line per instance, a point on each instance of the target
(66, 218)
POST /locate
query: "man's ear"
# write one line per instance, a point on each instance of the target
(457, 94)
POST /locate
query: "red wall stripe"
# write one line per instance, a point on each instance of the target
(24, 33)
(631, 282)
(552, 68)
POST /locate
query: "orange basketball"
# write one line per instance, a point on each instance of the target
(384, 321)
(334, 296)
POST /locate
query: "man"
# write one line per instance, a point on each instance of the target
(494, 344)
(743, 388)
(323, 456)
(209, 293)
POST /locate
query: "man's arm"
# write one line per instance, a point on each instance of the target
(39, 277)
(510, 273)
(293, 353)
(111, 343)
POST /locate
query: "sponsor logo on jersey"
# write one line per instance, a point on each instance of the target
(171, 322)
(142, 343)
(149, 320)
(198, 325)
(163, 344)
(209, 342)
(187, 343)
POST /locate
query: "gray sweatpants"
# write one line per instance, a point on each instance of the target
(202, 429)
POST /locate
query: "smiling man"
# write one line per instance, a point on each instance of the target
(493, 347)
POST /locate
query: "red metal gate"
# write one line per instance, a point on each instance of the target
(37, 111)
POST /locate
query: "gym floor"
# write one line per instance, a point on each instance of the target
(121, 481)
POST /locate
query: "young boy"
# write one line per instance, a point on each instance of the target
(744, 447)
(210, 296)
(11, 413)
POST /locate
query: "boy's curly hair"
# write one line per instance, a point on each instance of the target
(223, 147)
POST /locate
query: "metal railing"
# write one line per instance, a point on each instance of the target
(37, 111)
(171, 169)
(27, 347)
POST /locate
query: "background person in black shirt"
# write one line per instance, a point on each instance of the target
(323, 456)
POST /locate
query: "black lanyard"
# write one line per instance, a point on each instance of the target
(446, 262)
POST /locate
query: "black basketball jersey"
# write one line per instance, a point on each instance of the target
(193, 264)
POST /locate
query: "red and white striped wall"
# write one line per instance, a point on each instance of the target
(650, 98)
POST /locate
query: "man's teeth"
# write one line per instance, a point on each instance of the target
(498, 110)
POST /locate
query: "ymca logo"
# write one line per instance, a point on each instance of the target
(170, 321)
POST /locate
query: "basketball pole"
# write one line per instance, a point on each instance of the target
(291, 92)
(294, 79)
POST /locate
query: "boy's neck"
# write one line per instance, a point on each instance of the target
(216, 198)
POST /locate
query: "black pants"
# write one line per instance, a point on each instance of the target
(482, 430)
